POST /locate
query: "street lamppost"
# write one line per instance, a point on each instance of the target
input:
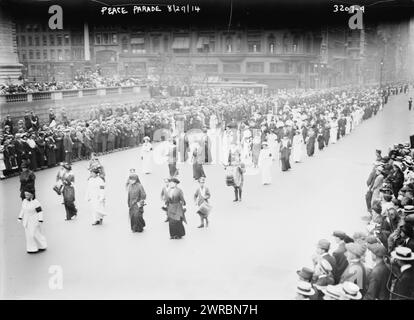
(381, 66)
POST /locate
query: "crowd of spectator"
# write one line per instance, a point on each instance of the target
(378, 263)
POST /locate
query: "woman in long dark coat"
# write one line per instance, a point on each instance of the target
(310, 144)
(136, 202)
(69, 192)
(321, 140)
(176, 210)
(27, 180)
(50, 151)
(285, 147)
(197, 160)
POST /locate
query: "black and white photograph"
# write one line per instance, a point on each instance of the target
(242, 150)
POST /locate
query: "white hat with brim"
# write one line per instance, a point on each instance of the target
(305, 288)
(334, 292)
(398, 164)
(351, 291)
(402, 253)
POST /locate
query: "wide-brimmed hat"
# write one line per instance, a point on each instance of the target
(175, 180)
(67, 166)
(333, 292)
(146, 138)
(351, 291)
(305, 288)
(402, 253)
(305, 273)
(398, 164)
(408, 209)
(355, 248)
(339, 234)
(324, 244)
(377, 249)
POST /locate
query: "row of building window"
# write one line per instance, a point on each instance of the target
(52, 54)
(139, 44)
(251, 67)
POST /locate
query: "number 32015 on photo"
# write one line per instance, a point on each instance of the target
(351, 9)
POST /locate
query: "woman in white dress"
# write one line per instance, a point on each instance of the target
(334, 130)
(95, 195)
(273, 145)
(31, 217)
(265, 163)
(297, 147)
(146, 155)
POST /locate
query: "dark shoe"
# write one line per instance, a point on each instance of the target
(95, 223)
(235, 200)
(41, 250)
(201, 226)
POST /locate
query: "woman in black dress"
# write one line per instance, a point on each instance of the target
(136, 202)
(176, 210)
(69, 192)
(27, 180)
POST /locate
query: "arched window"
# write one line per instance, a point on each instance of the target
(271, 43)
(295, 44)
(308, 44)
(229, 44)
(285, 43)
(124, 44)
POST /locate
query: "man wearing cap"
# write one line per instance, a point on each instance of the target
(404, 285)
(378, 277)
(305, 274)
(355, 272)
(322, 251)
(339, 254)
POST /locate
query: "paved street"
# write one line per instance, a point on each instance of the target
(251, 250)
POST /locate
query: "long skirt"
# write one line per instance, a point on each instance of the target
(69, 202)
(285, 164)
(310, 148)
(35, 240)
(172, 167)
(176, 228)
(198, 171)
(255, 154)
(136, 218)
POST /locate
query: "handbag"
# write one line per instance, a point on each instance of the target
(58, 189)
(204, 208)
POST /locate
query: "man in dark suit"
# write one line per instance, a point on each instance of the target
(410, 104)
(404, 284)
(377, 279)
(339, 254)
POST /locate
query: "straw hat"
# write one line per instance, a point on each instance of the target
(351, 291)
(305, 288)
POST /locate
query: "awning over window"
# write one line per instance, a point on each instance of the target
(202, 41)
(137, 40)
(181, 43)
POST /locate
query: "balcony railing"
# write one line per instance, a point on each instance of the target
(67, 94)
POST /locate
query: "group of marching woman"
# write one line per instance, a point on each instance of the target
(253, 140)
